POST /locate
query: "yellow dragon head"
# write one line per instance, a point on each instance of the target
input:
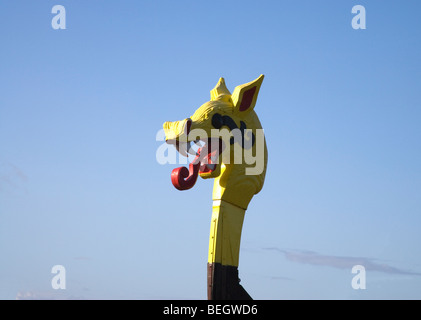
(233, 149)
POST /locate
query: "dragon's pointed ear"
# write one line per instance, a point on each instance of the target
(244, 97)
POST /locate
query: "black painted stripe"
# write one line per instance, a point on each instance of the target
(218, 121)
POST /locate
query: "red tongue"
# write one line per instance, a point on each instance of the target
(183, 178)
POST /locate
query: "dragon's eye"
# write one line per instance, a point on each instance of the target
(217, 121)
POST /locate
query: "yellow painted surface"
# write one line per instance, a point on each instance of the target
(237, 95)
(225, 233)
(233, 189)
(232, 184)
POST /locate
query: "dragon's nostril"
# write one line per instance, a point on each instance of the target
(188, 125)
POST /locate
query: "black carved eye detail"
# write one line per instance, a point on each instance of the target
(217, 121)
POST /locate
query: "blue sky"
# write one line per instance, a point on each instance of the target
(80, 185)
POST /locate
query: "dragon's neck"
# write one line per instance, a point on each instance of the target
(224, 252)
(233, 186)
(225, 233)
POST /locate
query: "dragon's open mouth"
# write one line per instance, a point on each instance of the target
(204, 164)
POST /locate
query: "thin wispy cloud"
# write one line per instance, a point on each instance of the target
(11, 176)
(339, 262)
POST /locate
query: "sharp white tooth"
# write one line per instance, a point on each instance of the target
(204, 161)
(182, 148)
(190, 148)
(198, 143)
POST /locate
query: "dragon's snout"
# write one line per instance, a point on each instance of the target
(177, 130)
(206, 157)
(177, 134)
